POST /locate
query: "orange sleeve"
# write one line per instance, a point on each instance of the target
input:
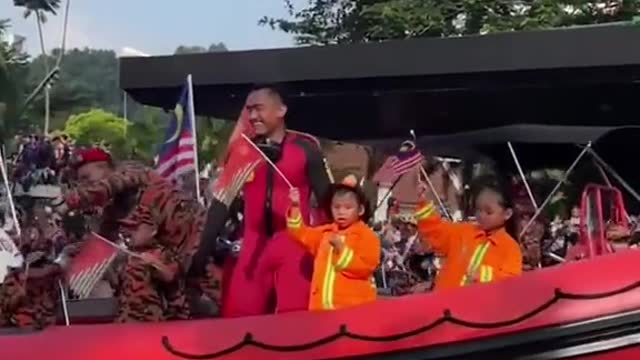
(308, 237)
(433, 230)
(359, 261)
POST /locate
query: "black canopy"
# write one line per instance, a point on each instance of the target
(540, 146)
(584, 76)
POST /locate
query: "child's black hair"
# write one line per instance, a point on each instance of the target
(341, 189)
(500, 187)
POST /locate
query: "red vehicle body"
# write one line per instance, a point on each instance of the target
(556, 309)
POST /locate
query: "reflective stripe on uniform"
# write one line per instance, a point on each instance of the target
(425, 212)
(345, 259)
(486, 273)
(294, 223)
(475, 262)
(328, 284)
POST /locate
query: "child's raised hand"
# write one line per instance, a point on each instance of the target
(423, 191)
(294, 196)
(337, 242)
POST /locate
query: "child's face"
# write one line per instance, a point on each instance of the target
(490, 214)
(345, 209)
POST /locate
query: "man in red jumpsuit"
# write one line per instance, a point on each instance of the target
(270, 263)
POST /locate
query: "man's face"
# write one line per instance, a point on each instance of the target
(266, 111)
(94, 171)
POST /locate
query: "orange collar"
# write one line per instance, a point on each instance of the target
(493, 237)
(355, 227)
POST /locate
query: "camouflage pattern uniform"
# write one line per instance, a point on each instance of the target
(163, 221)
(29, 298)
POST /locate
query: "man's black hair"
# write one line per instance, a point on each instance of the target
(275, 89)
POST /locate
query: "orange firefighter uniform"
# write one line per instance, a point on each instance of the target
(340, 278)
(472, 255)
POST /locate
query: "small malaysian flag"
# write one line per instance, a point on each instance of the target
(405, 161)
(177, 155)
(398, 165)
(239, 163)
(89, 265)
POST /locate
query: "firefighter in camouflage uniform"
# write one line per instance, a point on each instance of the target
(160, 223)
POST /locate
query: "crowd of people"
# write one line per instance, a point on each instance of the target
(291, 240)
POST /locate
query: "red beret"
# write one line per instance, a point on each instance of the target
(89, 155)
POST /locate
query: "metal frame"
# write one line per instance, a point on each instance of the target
(546, 201)
(604, 168)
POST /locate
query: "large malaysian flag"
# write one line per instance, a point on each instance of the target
(177, 155)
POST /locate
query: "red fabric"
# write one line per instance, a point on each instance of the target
(267, 267)
(264, 258)
(90, 155)
(501, 301)
(241, 159)
(243, 126)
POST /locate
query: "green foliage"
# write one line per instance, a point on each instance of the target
(346, 21)
(185, 49)
(212, 138)
(88, 79)
(13, 71)
(51, 6)
(100, 127)
(145, 134)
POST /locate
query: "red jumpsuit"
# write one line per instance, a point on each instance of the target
(272, 266)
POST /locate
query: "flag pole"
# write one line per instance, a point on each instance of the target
(192, 118)
(63, 299)
(5, 180)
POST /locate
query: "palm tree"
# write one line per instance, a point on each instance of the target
(13, 67)
(39, 8)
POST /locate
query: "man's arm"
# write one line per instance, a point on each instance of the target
(216, 218)
(101, 192)
(318, 172)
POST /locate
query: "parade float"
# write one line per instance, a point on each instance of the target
(587, 309)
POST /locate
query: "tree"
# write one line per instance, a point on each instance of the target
(13, 70)
(88, 79)
(100, 127)
(347, 21)
(145, 133)
(186, 49)
(39, 8)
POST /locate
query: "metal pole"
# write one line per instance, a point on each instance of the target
(63, 299)
(5, 179)
(435, 193)
(124, 105)
(614, 174)
(524, 178)
(384, 276)
(555, 189)
(389, 192)
(603, 173)
(192, 116)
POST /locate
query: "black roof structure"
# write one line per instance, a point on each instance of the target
(577, 76)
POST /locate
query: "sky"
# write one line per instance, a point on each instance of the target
(156, 27)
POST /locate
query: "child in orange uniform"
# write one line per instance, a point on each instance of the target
(478, 252)
(346, 252)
